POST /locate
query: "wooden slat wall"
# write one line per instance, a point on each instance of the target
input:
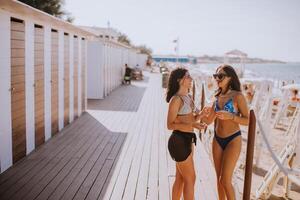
(76, 53)
(54, 82)
(18, 90)
(83, 67)
(66, 79)
(39, 85)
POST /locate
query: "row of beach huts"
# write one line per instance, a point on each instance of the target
(48, 70)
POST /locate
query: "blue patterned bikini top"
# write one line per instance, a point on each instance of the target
(228, 106)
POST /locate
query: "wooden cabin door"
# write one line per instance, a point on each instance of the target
(18, 107)
(75, 53)
(39, 78)
(54, 82)
(66, 79)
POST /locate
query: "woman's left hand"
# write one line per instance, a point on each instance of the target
(224, 115)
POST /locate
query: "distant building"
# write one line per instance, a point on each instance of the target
(103, 33)
(173, 58)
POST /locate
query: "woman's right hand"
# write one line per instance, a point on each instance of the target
(206, 111)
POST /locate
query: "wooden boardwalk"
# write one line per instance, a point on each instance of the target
(75, 164)
(118, 150)
(145, 170)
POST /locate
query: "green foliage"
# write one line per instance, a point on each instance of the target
(144, 50)
(124, 39)
(52, 7)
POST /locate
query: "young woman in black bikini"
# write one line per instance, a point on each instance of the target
(182, 119)
(228, 112)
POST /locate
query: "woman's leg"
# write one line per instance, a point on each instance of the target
(217, 156)
(177, 185)
(230, 157)
(187, 170)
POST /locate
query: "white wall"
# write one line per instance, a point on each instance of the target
(47, 81)
(29, 88)
(94, 68)
(71, 83)
(106, 66)
(5, 103)
(79, 78)
(61, 80)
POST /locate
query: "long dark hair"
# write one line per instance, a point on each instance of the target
(173, 85)
(234, 83)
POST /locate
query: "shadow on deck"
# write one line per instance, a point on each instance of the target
(125, 98)
(75, 164)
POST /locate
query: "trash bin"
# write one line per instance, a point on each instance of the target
(165, 79)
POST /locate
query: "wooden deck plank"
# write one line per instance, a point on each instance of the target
(138, 176)
(143, 177)
(89, 180)
(164, 191)
(153, 170)
(116, 158)
(94, 150)
(124, 98)
(18, 180)
(54, 163)
(100, 183)
(44, 177)
(63, 175)
(23, 166)
(135, 133)
(70, 192)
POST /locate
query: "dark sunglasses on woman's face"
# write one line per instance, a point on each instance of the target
(219, 76)
(187, 75)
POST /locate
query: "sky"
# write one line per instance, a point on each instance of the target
(267, 29)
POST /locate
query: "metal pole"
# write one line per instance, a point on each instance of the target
(249, 156)
(177, 52)
(287, 182)
(194, 91)
(202, 106)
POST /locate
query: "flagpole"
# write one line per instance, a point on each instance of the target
(177, 51)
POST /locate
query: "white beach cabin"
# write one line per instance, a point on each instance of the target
(106, 62)
(42, 78)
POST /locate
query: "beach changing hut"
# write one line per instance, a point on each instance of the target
(43, 64)
(106, 59)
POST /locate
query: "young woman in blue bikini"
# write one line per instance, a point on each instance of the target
(228, 112)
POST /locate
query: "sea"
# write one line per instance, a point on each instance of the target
(276, 71)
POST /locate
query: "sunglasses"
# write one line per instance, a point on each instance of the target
(219, 76)
(187, 75)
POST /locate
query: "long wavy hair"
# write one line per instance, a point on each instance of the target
(234, 83)
(173, 85)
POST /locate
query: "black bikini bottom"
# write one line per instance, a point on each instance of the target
(223, 142)
(180, 145)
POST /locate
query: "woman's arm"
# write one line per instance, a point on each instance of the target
(172, 123)
(243, 119)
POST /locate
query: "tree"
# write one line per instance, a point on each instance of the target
(52, 7)
(145, 50)
(124, 39)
